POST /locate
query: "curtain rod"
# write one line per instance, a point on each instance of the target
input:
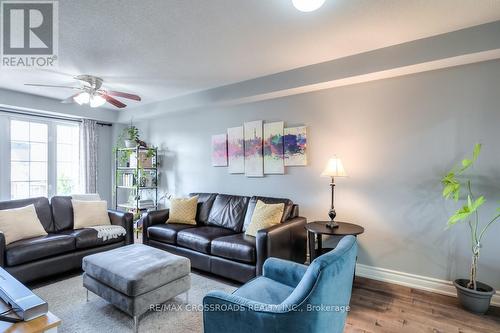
(33, 114)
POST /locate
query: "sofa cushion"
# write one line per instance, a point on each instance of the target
(183, 210)
(205, 202)
(90, 213)
(87, 238)
(239, 247)
(166, 233)
(228, 211)
(62, 212)
(265, 216)
(20, 223)
(264, 290)
(42, 208)
(253, 201)
(31, 249)
(199, 238)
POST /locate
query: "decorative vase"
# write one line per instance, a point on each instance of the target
(477, 301)
(129, 143)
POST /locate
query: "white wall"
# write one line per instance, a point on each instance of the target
(397, 137)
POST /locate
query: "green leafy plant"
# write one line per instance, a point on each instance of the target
(458, 186)
(132, 133)
(151, 152)
(128, 133)
(124, 157)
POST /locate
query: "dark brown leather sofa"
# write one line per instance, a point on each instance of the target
(218, 244)
(63, 248)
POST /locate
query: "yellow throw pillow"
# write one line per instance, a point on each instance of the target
(183, 210)
(20, 223)
(89, 213)
(265, 216)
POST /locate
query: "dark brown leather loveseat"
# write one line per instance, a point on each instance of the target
(218, 244)
(63, 248)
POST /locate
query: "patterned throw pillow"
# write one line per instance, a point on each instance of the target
(265, 216)
(183, 210)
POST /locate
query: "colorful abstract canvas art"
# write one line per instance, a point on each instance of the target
(219, 150)
(273, 148)
(236, 150)
(254, 161)
(295, 146)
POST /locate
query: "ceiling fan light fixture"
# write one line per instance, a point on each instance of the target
(307, 5)
(90, 92)
(97, 101)
(82, 98)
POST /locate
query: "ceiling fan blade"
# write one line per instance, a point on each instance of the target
(50, 86)
(70, 99)
(113, 101)
(124, 95)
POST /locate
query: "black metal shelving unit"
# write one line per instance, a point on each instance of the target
(136, 175)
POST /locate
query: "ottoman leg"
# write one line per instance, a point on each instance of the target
(136, 324)
(187, 296)
(87, 295)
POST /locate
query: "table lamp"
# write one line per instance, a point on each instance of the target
(334, 168)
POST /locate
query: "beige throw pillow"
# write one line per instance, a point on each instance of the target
(265, 216)
(20, 223)
(89, 213)
(183, 210)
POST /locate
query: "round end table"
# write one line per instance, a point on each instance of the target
(315, 231)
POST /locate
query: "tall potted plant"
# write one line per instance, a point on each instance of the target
(472, 294)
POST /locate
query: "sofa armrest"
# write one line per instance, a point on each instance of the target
(287, 240)
(284, 271)
(2, 249)
(125, 220)
(152, 218)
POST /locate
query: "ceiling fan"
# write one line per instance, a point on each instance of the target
(90, 92)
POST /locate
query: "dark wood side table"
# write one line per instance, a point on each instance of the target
(315, 231)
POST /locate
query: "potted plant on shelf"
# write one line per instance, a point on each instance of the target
(473, 295)
(131, 137)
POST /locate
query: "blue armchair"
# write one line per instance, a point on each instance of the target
(288, 297)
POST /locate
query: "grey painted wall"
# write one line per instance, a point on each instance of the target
(397, 137)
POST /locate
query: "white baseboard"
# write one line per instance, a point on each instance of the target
(413, 281)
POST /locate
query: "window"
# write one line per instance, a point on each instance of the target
(28, 159)
(44, 158)
(68, 159)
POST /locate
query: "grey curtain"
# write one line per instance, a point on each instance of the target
(88, 141)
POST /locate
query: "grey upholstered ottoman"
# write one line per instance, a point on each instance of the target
(134, 277)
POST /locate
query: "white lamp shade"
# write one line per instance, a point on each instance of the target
(334, 168)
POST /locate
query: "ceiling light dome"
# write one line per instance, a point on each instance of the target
(97, 101)
(82, 98)
(308, 5)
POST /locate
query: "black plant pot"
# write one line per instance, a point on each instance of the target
(477, 301)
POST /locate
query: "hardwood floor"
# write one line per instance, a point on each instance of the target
(378, 307)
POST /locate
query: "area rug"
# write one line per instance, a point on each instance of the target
(67, 300)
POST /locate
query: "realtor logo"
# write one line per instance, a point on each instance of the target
(29, 34)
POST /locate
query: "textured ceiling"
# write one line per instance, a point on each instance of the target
(161, 49)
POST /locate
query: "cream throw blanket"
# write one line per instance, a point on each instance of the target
(109, 231)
